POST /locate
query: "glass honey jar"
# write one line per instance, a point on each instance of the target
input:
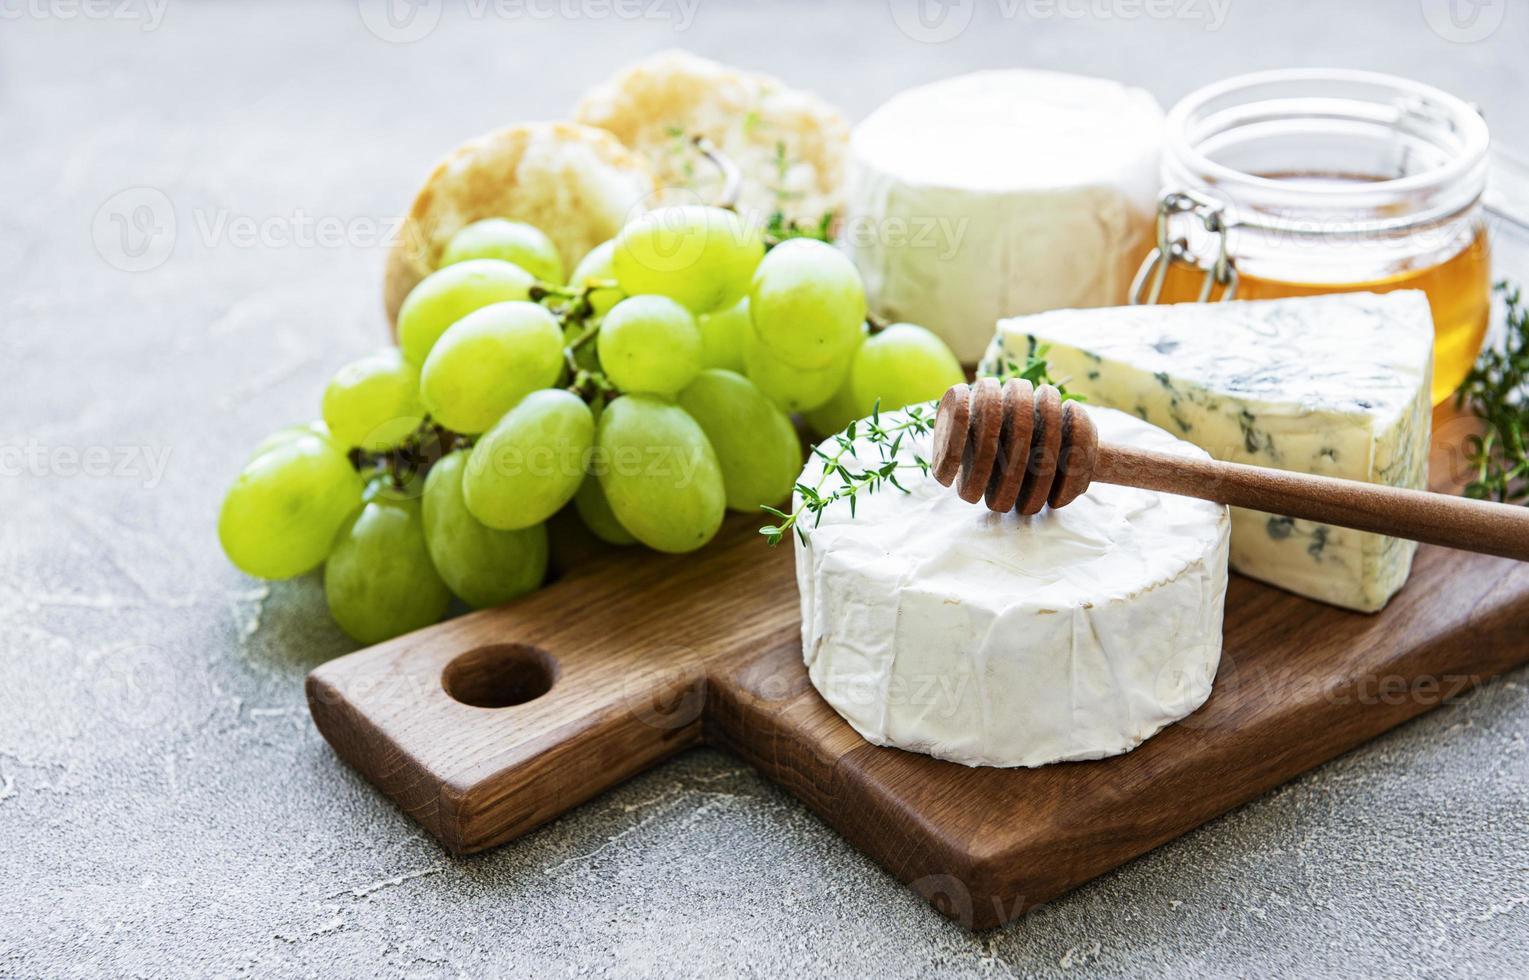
(1293, 183)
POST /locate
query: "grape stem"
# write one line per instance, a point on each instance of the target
(576, 311)
(732, 177)
(587, 384)
(590, 385)
(411, 458)
(888, 439)
(578, 306)
(588, 335)
(877, 323)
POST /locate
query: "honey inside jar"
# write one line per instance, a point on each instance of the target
(1324, 181)
(1457, 279)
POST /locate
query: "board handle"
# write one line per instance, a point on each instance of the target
(481, 738)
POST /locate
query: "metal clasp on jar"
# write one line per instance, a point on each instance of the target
(1154, 269)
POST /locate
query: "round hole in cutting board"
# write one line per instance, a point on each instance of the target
(500, 675)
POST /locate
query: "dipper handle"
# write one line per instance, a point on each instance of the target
(1020, 447)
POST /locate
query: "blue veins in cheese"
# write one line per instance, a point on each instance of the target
(1334, 385)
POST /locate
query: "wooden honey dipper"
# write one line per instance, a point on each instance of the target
(1020, 447)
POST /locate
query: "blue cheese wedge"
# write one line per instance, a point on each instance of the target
(1333, 385)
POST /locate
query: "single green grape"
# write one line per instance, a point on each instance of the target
(793, 389)
(447, 295)
(510, 241)
(903, 365)
(703, 257)
(649, 344)
(807, 303)
(755, 443)
(280, 516)
(374, 402)
(379, 579)
(659, 473)
(290, 432)
(488, 361)
(595, 511)
(722, 336)
(598, 265)
(531, 463)
(482, 567)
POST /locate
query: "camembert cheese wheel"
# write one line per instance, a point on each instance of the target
(937, 626)
(1000, 193)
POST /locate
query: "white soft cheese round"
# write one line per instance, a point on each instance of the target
(1001, 193)
(937, 626)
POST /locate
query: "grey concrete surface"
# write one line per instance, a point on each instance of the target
(166, 807)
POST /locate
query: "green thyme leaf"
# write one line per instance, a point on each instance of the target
(1497, 391)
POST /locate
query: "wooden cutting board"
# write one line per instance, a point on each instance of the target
(487, 726)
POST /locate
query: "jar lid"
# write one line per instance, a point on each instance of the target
(1435, 144)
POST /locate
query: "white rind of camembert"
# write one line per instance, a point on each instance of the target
(1000, 193)
(937, 626)
(1334, 385)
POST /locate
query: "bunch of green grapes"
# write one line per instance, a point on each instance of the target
(642, 396)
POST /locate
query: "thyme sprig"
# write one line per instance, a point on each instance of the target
(855, 478)
(1036, 371)
(1497, 391)
(779, 228)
